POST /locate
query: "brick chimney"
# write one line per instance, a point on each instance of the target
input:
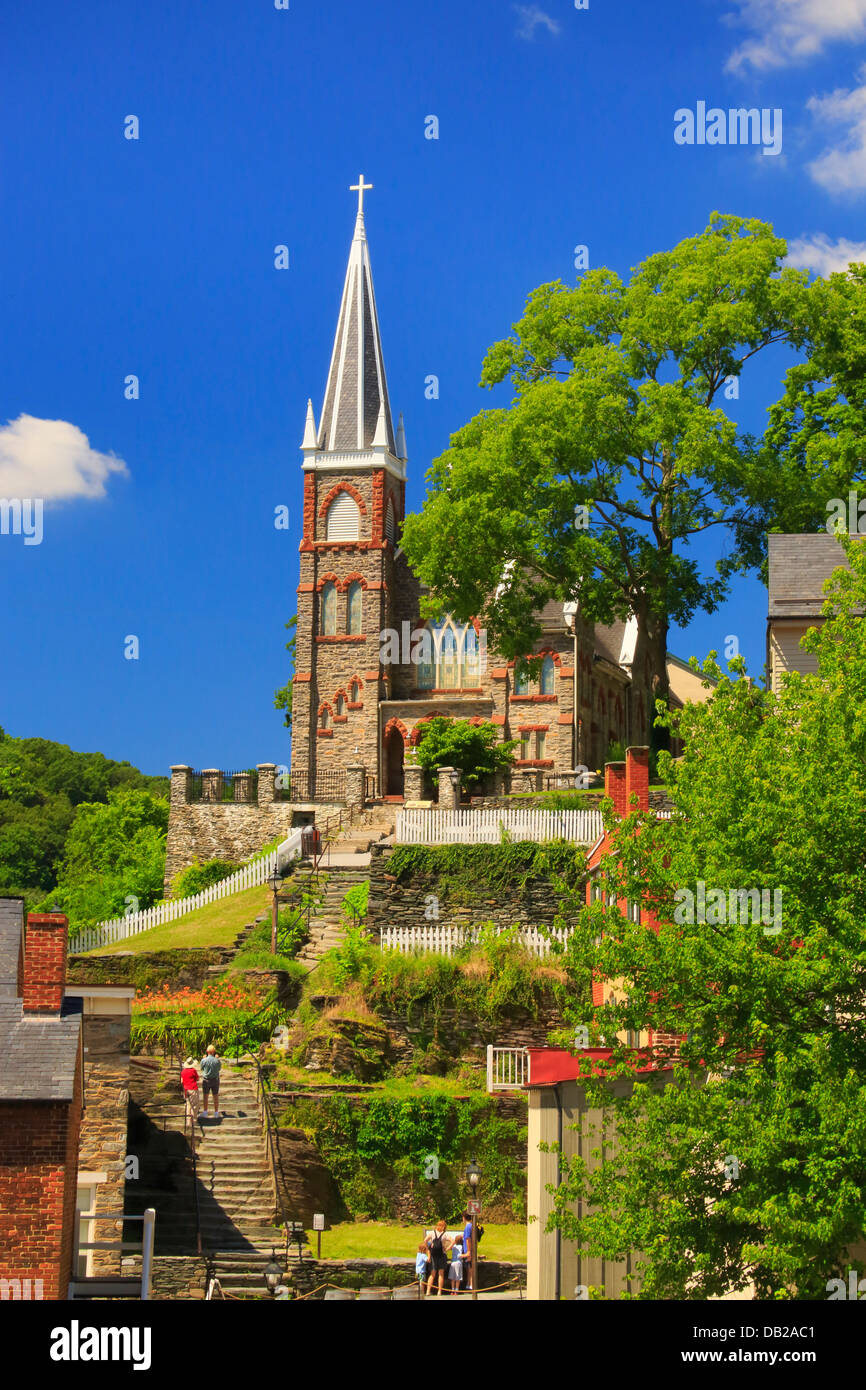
(45, 947)
(614, 785)
(637, 777)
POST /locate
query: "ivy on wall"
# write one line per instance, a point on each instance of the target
(369, 1144)
(473, 871)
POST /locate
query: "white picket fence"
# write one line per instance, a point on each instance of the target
(445, 941)
(485, 827)
(248, 876)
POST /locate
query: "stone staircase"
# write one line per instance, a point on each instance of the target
(336, 875)
(236, 1200)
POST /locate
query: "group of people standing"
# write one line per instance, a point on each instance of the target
(440, 1254)
(207, 1071)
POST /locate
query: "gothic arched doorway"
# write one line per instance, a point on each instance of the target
(393, 761)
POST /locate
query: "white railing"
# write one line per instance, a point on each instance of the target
(507, 1068)
(251, 875)
(477, 827)
(445, 941)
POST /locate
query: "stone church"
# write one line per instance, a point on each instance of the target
(359, 699)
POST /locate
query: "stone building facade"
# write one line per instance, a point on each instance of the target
(361, 698)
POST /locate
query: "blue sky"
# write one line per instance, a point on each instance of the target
(155, 257)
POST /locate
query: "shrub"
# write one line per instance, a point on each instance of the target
(196, 877)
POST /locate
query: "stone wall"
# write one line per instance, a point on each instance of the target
(305, 1184)
(103, 1140)
(403, 904)
(223, 830)
(178, 969)
(309, 1275)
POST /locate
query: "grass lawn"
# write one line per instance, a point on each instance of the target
(378, 1240)
(215, 924)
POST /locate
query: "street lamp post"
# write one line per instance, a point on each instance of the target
(473, 1177)
(275, 882)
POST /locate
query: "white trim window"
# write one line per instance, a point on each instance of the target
(343, 520)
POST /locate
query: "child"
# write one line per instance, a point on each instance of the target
(455, 1273)
(422, 1260)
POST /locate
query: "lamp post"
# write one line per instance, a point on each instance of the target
(473, 1177)
(272, 1274)
(275, 882)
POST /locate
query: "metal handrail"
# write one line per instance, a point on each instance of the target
(263, 1100)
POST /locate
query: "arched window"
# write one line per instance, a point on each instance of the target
(328, 609)
(343, 518)
(391, 522)
(471, 665)
(449, 661)
(339, 703)
(353, 692)
(521, 682)
(547, 675)
(354, 609)
(325, 718)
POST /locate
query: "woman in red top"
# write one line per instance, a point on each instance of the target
(189, 1081)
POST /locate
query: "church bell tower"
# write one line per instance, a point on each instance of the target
(352, 583)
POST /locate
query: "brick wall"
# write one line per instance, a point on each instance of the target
(38, 1167)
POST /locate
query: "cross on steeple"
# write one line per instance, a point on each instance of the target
(360, 188)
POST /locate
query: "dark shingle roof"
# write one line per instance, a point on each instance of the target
(798, 567)
(38, 1052)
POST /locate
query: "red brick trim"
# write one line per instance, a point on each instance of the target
(341, 637)
(533, 762)
(565, 719)
(306, 589)
(377, 527)
(334, 491)
(301, 676)
(372, 675)
(499, 720)
(533, 728)
(309, 511)
(341, 718)
(395, 723)
(566, 673)
(354, 704)
(499, 673)
(324, 733)
(355, 578)
(534, 699)
(328, 578)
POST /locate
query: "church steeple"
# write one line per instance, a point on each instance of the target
(356, 415)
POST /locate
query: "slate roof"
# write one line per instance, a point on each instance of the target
(356, 386)
(39, 1052)
(798, 567)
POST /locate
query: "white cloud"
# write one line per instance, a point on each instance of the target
(823, 256)
(530, 18)
(791, 31)
(53, 460)
(842, 168)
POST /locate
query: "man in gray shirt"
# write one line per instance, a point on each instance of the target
(210, 1080)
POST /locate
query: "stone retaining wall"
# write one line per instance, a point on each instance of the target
(404, 904)
(393, 1273)
(179, 969)
(204, 830)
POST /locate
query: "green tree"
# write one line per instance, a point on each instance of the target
(460, 743)
(616, 453)
(41, 783)
(114, 858)
(745, 1160)
(819, 425)
(283, 696)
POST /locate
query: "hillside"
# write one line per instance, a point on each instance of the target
(41, 785)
